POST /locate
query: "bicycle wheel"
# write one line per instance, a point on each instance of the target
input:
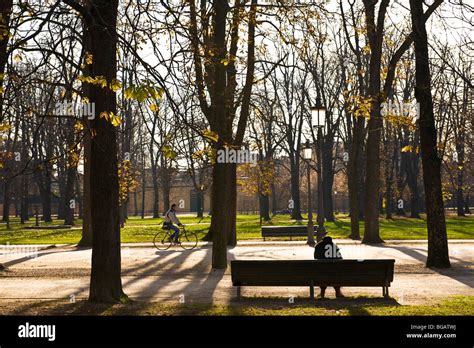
(188, 240)
(161, 240)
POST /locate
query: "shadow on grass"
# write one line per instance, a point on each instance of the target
(330, 303)
(340, 224)
(350, 305)
(245, 307)
(54, 307)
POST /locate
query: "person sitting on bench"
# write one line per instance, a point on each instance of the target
(326, 249)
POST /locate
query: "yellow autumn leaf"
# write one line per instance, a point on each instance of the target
(78, 126)
(210, 135)
(115, 119)
(407, 148)
(225, 61)
(88, 58)
(115, 85)
(101, 81)
(111, 117)
(104, 115)
(153, 107)
(4, 127)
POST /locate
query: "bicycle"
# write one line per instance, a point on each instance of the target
(187, 240)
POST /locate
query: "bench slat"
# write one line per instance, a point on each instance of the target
(285, 231)
(320, 272)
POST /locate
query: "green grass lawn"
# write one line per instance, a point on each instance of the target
(248, 228)
(459, 305)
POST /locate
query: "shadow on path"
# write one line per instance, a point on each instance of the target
(40, 253)
(458, 271)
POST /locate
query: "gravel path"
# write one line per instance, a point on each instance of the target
(177, 275)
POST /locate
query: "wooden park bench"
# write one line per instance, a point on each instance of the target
(313, 273)
(285, 231)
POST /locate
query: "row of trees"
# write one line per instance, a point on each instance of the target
(173, 82)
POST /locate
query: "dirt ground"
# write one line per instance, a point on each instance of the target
(175, 276)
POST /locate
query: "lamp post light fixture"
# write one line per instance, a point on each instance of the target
(318, 121)
(318, 114)
(307, 156)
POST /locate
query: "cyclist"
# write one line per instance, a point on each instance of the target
(170, 220)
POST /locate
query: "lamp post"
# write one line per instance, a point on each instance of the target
(307, 155)
(318, 116)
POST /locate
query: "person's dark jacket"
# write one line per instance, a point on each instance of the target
(326, 249)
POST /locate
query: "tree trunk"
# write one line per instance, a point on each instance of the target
(24, 182)
(414, 206)
(264, 202)
(274, 199)
(354, 176)
(412, 169)
(62, 193)
(295, 190)
(123, 213)
(412, 181)
(135, 203)
(390, 167)
(87, 233)
(220, 223)
(460, 177)
(438, 255)
(156, 191)
(24, 214)
(399, 163)
(372, 176)
(166, 186)
(221, 83)
(106, 284)
(389, 200)
(45, 193)
(69, 197)
(142, 215)
(200, 199)
(222, 172)
(6, 201)
(460, 198)
(232, 213)
(372, 181)
(6, 7)
(80, 198)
